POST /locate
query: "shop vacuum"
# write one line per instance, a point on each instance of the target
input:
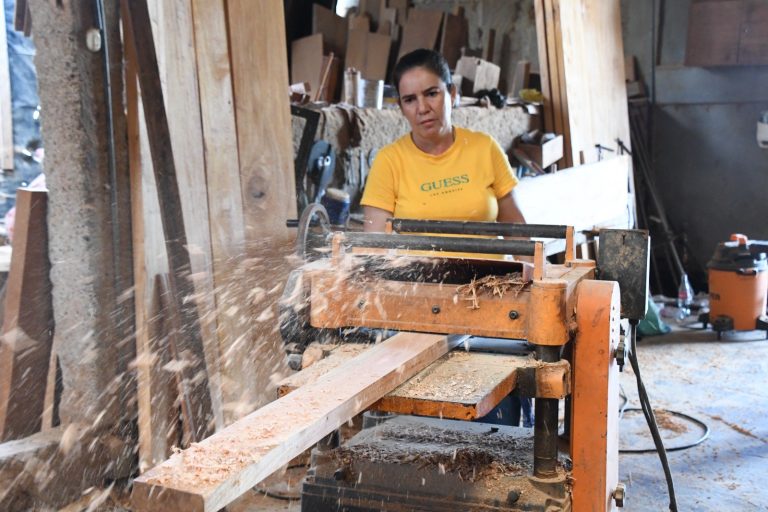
(738, 286)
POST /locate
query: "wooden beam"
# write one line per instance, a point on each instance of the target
(25, 348)
(213, 473)
(169, 196)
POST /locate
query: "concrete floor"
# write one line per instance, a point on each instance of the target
(723, 384)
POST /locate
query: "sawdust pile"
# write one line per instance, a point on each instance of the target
(471, 456)
(493, 285)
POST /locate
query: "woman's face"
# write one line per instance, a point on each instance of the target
(426, 103)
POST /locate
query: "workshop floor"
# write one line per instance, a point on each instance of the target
(722, 384)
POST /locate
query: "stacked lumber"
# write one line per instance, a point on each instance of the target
(211, 186)
(582, 68)
(369, 41)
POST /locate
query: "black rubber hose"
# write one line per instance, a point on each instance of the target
(650, 418)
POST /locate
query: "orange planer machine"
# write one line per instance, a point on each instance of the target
(567, 315)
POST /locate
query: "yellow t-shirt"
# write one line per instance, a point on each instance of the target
(463, 184)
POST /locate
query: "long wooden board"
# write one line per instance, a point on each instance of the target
(211, 474)
(25, 347)
(259, 79)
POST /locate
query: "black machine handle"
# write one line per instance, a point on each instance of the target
(440, 243)
(478, 228)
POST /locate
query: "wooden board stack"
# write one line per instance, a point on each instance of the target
(233, 198)
(581, 39)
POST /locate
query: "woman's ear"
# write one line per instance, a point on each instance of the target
(454, 92)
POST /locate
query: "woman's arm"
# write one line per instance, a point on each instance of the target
(375, 219)
(508, 209)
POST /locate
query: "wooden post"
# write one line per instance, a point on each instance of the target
(25, 349)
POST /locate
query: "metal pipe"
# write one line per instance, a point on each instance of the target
(439, 243)
(545, 423)
(478, 228)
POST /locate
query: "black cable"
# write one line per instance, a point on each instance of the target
(696, 421)
(650, 418)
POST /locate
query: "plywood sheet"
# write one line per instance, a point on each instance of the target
(584, 197)
(368, 53)
(307, 61)
(332, 27)
(421, 30)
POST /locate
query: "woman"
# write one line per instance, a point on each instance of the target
(438, 171)
(441, 172)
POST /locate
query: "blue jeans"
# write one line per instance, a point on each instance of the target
(24, 104)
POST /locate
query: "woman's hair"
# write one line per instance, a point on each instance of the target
(422, 58)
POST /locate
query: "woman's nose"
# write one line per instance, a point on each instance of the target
(422, 104)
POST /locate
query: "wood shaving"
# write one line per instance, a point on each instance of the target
(493, 285)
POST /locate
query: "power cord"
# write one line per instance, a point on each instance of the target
(649, 417)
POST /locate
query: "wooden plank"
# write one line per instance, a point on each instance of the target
(307, 61)
(455, 36)
(368, 53)
(169, 196)
(6, 112)
(520, 80)
(421, 30)
(225, 197)
(260, 75)
(753, 45)
(211, 474)
(596, 108)
(402, 6)
(714, 30)
(554, 76)
(25, 349)
(569, 160)
(460, 385)
(593, 195)
(259, 64)
(156, 396)
(543, 52)
(334, 29)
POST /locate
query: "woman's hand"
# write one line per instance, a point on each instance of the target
(375, 219)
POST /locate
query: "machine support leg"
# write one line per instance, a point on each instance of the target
(545, 423)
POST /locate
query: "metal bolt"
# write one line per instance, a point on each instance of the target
(514, 315)
(619, 495)
(435, 310)
(93, 39)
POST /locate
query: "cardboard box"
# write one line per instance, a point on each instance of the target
(545, 154)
